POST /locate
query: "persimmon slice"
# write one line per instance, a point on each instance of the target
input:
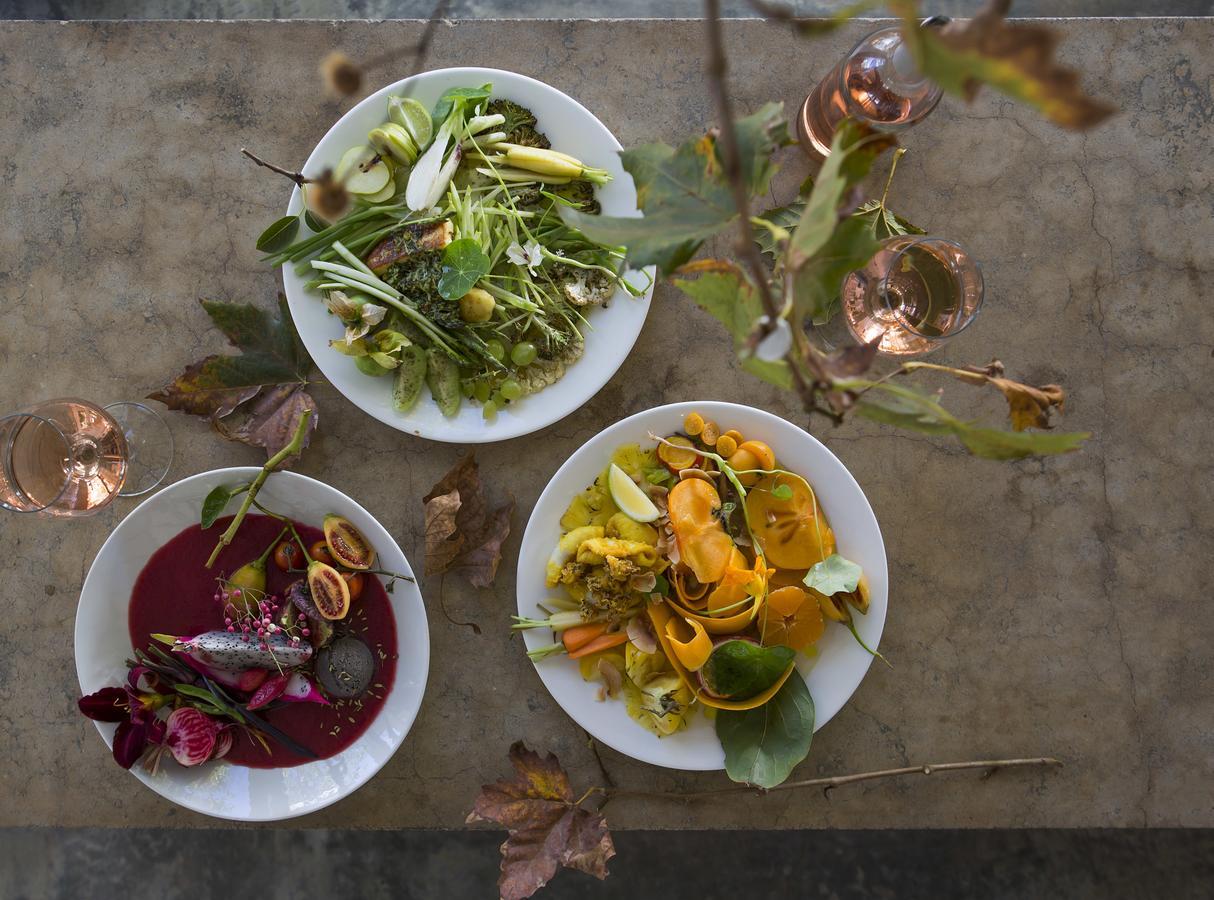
(787, 522)
(704, 547)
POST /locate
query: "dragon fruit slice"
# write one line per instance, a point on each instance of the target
(269, 691)
(230, 652)
(223, 743)
(191, 736)
(241, 679)
(300, 689)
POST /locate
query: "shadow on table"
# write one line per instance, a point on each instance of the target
(265, 864)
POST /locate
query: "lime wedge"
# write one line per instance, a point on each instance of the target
(628, 497)
(410, 115)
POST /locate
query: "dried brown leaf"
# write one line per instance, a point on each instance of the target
(271, 419)
(1028, 406)
(462, 533)
(546, 828)
(1015, 57)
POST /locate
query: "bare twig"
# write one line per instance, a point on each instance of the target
(295, 445)
(778, 14)
(421, 49)
(298, 177)
(834, 781)
(745, 246)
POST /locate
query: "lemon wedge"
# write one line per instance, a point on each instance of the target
(630, 499)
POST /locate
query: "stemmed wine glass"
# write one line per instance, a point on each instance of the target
(913, 295)
(70, 457)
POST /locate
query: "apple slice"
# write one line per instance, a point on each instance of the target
(630, 499)
(360, 178)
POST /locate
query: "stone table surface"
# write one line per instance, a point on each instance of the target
(1039, 607)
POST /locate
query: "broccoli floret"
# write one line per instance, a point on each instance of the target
(417, 278)
(519, 125)
(580, 193)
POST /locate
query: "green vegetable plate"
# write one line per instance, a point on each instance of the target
(443, 291)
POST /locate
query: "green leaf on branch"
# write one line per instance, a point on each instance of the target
(905, 407)
(723, 291)
(763, 745)
(684, 193)
(852, 153)
(464, 264)
(215, 503)
(256, 396)
(278, 235)
(1014, 58)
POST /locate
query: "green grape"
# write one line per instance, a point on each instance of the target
(482, 391)
(511, 389)
(496, 349)
(489, 410)
(523, 354)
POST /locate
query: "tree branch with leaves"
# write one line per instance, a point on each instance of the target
(707, 187)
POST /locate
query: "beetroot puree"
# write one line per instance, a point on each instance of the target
(175, 594)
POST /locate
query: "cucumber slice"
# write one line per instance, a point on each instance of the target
(410, 376)
(442, 377)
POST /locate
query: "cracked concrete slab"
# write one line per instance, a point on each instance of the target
(1040, 607)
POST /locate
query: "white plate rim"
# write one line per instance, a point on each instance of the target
(590, 374)
(639, 743)
(411, 589)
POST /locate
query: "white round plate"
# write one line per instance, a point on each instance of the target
(219, 788)
(611, 331)
(832, 676)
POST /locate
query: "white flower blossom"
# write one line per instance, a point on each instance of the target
(358, 315)
(530, 256)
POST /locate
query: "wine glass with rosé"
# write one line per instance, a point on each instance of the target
(914, 294)
(70, 457)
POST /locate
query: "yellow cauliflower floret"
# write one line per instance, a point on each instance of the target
(565, 550)
(620, 526)
(596, 550)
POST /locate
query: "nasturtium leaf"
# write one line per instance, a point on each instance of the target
(272, 368)
(741, 669)
(278, 235)
(782, 492)
(464, 264)
(214, 504)
(833, 575)
(546, 828)
(764, 744)
(1015, 58)
(684, 193)
(723, 291)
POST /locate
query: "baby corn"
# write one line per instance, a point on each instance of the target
(551, 163)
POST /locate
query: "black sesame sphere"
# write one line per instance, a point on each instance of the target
(345, 668)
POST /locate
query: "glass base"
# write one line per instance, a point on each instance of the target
(149, 445)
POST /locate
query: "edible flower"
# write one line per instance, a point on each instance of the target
(530, 256)
(693, 652)
(133, 707)
(357, 313)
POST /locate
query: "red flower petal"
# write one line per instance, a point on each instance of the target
(107, 705)
(130, 740)
(191, 736)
